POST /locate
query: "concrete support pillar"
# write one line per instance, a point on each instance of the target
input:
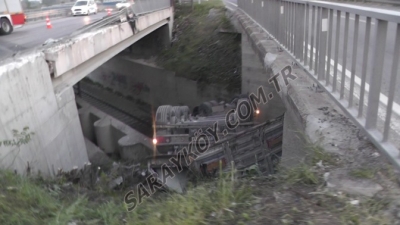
(86, 124)
(103, 131)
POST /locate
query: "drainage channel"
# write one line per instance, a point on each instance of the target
(142, 125)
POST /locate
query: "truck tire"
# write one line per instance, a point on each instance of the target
(163, 114)
(5, 26)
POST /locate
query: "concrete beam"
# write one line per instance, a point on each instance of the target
(147, 20)
(66, 56)
(74, 75)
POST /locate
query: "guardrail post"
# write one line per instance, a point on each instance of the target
(300, 41)
(376, 76)
(281, 22)
(328, 63)
(364, 69)
(353, 61)
(344, 62)
(312, 37)
(306, 31)
(322, 43)
(392, 88)
(336, 57)
(317, 39)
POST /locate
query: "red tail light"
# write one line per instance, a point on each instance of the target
(161, 139)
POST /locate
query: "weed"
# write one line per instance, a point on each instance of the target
(200, 52)
(212, 202)
(302, 174)
(364, 173)
(318, 154)
(368, 212)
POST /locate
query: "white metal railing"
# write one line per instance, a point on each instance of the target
(352, 52)
(43, 14)
(146, 6)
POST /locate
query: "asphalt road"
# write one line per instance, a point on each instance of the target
(36, 33)
(348, 53)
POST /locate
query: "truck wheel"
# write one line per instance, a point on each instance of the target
(163, 114)
(6, 27)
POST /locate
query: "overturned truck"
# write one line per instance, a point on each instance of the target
(215, 135)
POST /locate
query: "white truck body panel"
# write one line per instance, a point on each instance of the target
(10, 7)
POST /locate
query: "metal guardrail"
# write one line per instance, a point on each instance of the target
(54, 11)
(147, 6)
(393, 2)
(309, 32)
(41, 15)
(106, 21)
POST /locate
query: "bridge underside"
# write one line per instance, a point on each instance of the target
(36, 91)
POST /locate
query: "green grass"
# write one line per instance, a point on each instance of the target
(302, 174)
(213, 202)
(25, 200)
(201, 52)
(364, 173)
(226, 200)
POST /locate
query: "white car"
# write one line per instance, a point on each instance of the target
(84, 7)
(123, 4)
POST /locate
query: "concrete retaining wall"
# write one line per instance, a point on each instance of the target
(27, 99)
(310, 114)
(153, 85)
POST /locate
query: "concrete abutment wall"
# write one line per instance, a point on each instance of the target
(27, 99)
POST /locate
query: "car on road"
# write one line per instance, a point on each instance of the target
(84, 7)
(123, 4)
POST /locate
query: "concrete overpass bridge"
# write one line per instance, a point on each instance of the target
(358, 78)
(37, 86)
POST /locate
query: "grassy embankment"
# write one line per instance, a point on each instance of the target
(202, 50)
(280, 199)
(294, 196)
